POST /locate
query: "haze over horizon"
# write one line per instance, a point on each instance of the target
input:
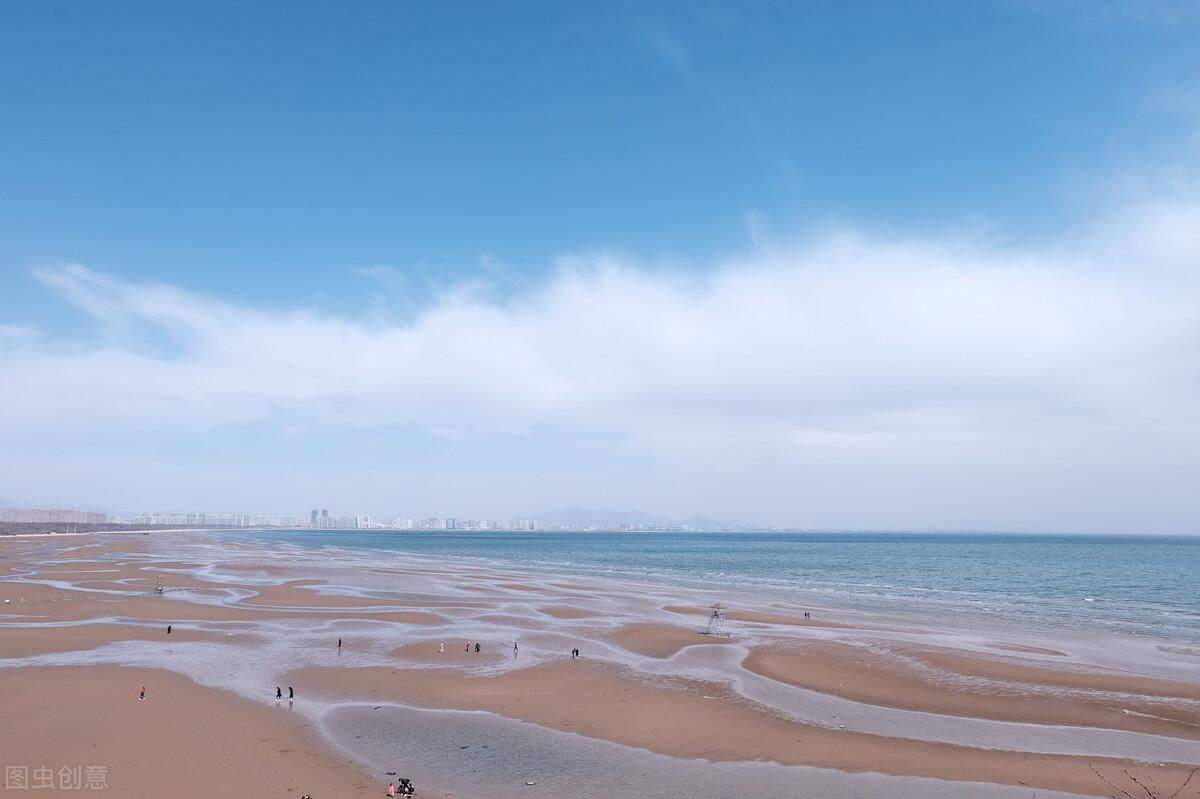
(783, 265)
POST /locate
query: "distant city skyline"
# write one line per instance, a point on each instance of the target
(835, 266)
(574, 520)
(323, 520)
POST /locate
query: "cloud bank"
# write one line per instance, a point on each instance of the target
(860, 354)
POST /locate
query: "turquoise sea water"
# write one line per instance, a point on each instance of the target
(1138, 585)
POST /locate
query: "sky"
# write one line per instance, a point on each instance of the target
(824, 265)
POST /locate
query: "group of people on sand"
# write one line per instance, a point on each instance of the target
(475, 645)
(472, 645)
(279, 695)
(404, 788)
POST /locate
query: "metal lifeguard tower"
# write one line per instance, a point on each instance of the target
(716, 620)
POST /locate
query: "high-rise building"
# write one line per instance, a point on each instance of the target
(312, 519)
(53, 516)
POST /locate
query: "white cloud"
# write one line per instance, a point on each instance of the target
(1153, 13)
(391, 280)
(847, 350)
(17, 332)
(668, 48)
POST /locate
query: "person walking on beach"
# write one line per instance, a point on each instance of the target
(339, 644)
(391, 789)
(291, 695)
(514, 650)
(441, 647)
(468, 649)
(278, 694)
(168, 629)
(476, 647)
(142, 694)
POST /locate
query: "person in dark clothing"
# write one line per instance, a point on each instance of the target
(168, 629)
(476, 647)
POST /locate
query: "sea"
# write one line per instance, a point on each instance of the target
(1136, 585)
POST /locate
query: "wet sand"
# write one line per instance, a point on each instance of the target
(662, 640)
(1030, 673)
(565, 612)
(182, 741)
(999, 690)
(456, 653)
(28, 641)
(690, 719)
(759, 617)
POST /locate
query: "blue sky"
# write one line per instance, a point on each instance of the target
(377, 164)
(269, 150)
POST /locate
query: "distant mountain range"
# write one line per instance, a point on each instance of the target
(612, 519)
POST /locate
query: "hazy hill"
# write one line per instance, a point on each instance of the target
(611, 519)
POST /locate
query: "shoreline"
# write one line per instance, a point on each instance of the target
(1050, 616)
(245, 617)
(881, 609)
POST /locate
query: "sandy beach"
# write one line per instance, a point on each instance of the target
(182, 740)
(917, 708)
